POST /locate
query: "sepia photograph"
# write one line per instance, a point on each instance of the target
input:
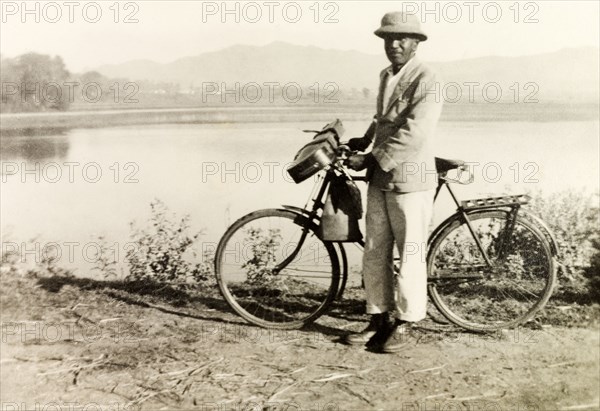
(300, 205)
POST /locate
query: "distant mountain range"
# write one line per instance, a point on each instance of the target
(564, 75)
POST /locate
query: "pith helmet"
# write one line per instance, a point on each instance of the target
(397, 22)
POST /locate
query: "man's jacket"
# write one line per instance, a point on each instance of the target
(404, 135)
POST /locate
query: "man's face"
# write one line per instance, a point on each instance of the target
(400, 48)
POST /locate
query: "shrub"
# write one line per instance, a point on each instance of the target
(105, 262)
(593, 272)
(14, 264)
(263, 246)
(9, 262)
(162, 251)
(573, 217)
(47, 268)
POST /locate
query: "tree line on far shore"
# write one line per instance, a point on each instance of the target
(35, 82)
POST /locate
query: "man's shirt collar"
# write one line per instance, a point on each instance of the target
(390, 69)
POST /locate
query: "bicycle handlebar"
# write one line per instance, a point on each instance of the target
(343, 152)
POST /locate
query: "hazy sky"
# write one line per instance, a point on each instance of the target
(167, 30)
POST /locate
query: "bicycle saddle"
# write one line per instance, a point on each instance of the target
(443, 164)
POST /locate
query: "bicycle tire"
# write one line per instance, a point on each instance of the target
(477, 297)
(244, 266)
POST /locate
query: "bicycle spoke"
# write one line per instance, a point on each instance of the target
(293, 294)
(506, 293)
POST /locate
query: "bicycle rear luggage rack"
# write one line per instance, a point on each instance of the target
(491, 202)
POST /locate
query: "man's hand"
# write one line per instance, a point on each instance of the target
(359, 162)
(359, 143)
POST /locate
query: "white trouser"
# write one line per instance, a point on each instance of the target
(402, 218)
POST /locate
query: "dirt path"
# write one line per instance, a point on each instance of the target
(69, 346)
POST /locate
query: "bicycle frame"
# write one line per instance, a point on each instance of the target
(509, 204)
(313, 214)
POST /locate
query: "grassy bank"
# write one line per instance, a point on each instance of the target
(12, 123)
(164, 265)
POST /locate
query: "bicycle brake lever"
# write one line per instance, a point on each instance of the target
(343, 152)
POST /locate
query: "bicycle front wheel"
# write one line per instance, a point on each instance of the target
(505, 291)
(274, 271)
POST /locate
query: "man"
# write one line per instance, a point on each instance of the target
(402, 180)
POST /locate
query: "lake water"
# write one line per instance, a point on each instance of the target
(70, 188)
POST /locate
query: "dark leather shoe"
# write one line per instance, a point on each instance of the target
(398, 337)
(377, 324)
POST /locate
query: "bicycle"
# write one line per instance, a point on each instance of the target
(491, 265)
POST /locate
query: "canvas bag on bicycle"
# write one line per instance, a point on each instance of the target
(341, 212)
(317, 154)
(343, 207)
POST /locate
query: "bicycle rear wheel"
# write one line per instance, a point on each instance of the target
(261, 278)
(481, 297)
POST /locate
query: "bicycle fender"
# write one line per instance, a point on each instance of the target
(297, 210)
(301, 212)
(442, 226)
(450, 220)
(540, 224)
(544, 229)
(344, 268)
